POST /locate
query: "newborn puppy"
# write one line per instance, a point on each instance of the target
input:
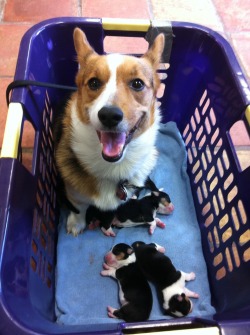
(166, 206)
(134, 290)
(170, 283)
(141, 211)
(134, 212)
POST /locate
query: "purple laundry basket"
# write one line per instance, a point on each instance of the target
(205, 93)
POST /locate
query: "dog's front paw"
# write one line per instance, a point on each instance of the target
(75, 224)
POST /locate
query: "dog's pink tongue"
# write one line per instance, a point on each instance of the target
(113, 143)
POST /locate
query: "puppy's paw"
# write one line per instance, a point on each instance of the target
(108, 232)
(190, 276)
(159, 223)
(151, 230)
(106, 266)
(105, 273)
(111, 311)
(94, 224)
(160, 248)
(196, 295)
(75, 224)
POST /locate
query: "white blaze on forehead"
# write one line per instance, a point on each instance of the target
(106, 97)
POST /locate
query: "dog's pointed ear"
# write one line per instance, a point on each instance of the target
(82, 46)
(154, 53)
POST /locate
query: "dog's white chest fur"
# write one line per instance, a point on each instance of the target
(137, 162)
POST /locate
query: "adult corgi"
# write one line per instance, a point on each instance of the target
(108, 129)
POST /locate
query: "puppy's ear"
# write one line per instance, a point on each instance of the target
(155, 51)
(130, 251)
(181, 297)
(82, 46)
(137, 244)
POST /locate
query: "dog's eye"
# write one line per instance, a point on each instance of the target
(137, 84)
(94, 84)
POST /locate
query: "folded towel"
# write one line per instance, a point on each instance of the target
(82, 294)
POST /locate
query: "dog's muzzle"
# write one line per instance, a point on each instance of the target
(114, 141)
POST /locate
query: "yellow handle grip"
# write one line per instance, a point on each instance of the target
(247, 114)
(126, 24)
(12, 131)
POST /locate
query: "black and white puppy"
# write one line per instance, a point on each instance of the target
(134, 212)
(134, 291)
(141, 211)
(169, 282)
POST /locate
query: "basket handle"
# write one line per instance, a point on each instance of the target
(126, 24)
(150, 29)
(12, 131)
(247, 115)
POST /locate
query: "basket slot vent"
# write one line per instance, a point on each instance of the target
(216, 237)
(235, 219)
(236, 256)
(209, 220)
(33, 264)
(43, 247)
(220, 167)
(197, 116)
(242, 212)
(208, 126)
(216, 207)
(162, 72)
(198, 176)
(221, 199)
(218, 259)
(232, 194)
(223, 221)
(221, 209)
(215, 135)
(221, 273)
(227, 234)
(229, 260)
(246, 255)
(204, 189)
(228, 181)
(245, 237)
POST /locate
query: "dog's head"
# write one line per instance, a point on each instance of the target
(117, 94)
(120, 255)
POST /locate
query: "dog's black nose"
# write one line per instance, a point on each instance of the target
(110, 116)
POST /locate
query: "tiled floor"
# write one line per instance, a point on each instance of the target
(229, 17)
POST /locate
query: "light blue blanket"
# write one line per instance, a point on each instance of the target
(82, 294)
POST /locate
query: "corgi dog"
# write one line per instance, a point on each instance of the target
(108, 128)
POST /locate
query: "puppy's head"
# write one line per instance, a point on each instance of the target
(117, 94)
(120, 255)
(179, 305)
(165, 206)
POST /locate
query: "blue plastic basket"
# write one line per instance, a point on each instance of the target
(205, 94)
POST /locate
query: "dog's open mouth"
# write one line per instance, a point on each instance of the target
(114, 143)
